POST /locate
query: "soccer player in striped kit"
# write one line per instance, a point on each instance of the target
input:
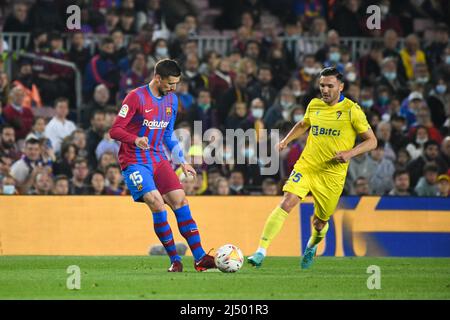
(144, 124)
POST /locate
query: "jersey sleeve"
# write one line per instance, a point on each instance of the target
(358, 119)
(127, 111)
(170, 140)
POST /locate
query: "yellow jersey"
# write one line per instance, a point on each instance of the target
(332, 129)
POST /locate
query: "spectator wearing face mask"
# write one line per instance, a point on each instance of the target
(281, 109)
(160, 51)
(8, 184)
(334, 57)
(390, 78)
(254, 120)
(236, 183)
(192, 76)
(418, 140)
(204, 110)
(308, 71)
(423, 118)
(438, 99)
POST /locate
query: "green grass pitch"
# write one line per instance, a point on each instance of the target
(39, 277)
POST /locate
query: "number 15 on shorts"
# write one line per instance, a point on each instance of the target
(295, 176)
(136, 178)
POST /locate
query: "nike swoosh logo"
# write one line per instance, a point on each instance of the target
(147, 111)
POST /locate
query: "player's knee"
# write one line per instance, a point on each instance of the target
(154, 203)
(179, 203)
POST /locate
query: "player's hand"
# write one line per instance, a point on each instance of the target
(343, 156)
(188, 170)
(142, 142)
(281, 145)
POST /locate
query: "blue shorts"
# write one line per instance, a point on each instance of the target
(143, 178)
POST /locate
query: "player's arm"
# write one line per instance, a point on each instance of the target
(172, 143)
(118, 130)
(299, 129)
(362, 127)
(369, 143)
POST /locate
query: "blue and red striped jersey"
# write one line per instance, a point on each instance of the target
(143, 114)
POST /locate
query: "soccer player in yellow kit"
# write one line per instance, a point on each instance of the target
(334, 122)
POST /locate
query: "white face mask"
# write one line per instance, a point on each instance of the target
(297, 93)
(351, 76)
(191, 74)
(161, 51)
(311, 71)
(9, 189)
(257, 113)
(421, 141)
(286, 104)
(298, 117)
(285, 114)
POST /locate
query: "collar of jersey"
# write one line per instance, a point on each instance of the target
(150, 92)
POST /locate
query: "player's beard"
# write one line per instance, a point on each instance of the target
(161, 92)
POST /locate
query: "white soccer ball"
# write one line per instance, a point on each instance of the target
(229, 258)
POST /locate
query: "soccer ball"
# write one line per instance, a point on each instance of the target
(229, 258)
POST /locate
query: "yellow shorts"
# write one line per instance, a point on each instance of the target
(326, 190)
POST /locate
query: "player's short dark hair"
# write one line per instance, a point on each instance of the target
(400, 172)
(167, 68)
(333, 72)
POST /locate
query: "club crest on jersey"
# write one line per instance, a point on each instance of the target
(169, 111)
(123, 111)
(153, 124)
(338, 114)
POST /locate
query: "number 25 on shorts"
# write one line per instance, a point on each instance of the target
(295, 176)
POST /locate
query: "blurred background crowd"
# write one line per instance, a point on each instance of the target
(246, 64)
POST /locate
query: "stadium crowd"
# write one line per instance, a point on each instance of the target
(260, 83)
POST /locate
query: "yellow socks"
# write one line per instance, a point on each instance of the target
(272, 227)
(317, 236)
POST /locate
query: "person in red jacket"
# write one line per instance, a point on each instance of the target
(17, 115)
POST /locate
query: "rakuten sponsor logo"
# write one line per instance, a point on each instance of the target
(153, 124)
